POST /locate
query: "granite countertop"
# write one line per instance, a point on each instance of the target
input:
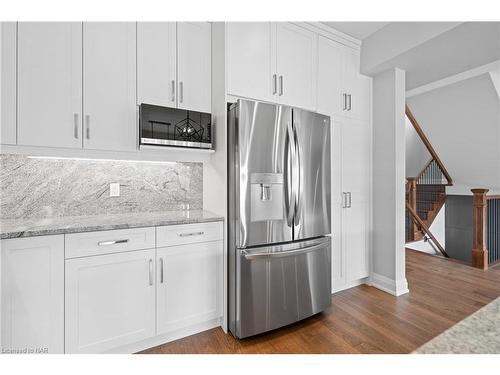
(477, 334)
(75, 224)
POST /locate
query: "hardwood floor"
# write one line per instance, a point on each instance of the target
(366, 320)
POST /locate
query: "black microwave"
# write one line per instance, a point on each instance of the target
(165, 126)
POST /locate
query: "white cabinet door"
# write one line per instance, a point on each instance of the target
(49, 110)
(296, 65)
(189, 285)
(356, 86)
(251, 66)
(110, 300)
(156, 63)
(194, 66)
(109, 86)
(8, 43)
(330, 77)
(356, 184)
(361, 101)
(32, 271)
(338, 257)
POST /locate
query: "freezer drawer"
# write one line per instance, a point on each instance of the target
(280, 285)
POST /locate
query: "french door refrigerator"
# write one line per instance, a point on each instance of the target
(278, 216)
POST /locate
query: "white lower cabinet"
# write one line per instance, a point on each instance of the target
(110, 294)
(189, 280)
(126, 298)
(110, 300)
(351, 140)
(32, 303)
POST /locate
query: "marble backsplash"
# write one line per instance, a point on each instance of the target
(32, 187)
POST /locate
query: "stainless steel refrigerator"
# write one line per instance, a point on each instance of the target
(279, 209)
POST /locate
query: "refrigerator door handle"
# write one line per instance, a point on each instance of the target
(288, 166)
(298, 179)
(281, 254)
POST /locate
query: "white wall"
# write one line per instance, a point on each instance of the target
(215, 173)
(417, 155)
(462, 122)
(388, 271)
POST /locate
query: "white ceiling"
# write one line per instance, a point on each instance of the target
(462, 48)
(358, 30)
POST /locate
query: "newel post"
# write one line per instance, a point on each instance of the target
(412, 201)
(479, 225)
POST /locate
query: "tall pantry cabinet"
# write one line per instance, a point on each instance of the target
(345, 95)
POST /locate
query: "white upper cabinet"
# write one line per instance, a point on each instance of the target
(8, 31)
(156, 63)
(250, 64)
(272, 62)
(296, 65)
(330, 82)
(174, 64)
(194, 66)
(109, 82)
(356, 87)
(49, 109)
(32, 293)
(341, 89)
(361, 103)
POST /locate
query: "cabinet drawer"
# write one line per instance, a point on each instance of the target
(107, 242)
(188, 233)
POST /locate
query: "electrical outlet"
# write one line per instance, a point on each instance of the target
(114, 189)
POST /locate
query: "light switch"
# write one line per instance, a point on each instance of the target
(114, 189)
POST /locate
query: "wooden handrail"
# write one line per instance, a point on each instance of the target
(426, 230)
(427, 144)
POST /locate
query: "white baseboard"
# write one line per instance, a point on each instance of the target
(349, 285)
(394, 287)
(163, 339)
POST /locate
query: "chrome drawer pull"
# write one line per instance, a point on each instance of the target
(191, 234)
(107, 243)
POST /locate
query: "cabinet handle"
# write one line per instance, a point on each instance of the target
(75, 123)
(281, 85)
(161, 270)
(350, 200)
(344, 200)
(113, 242)
(181, 91)
(191, 234)
(350, 101)
(172, 97)
(151, 272)
(275, 84)
(87, 126)
(344, 104)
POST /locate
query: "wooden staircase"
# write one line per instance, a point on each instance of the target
(425, 194)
